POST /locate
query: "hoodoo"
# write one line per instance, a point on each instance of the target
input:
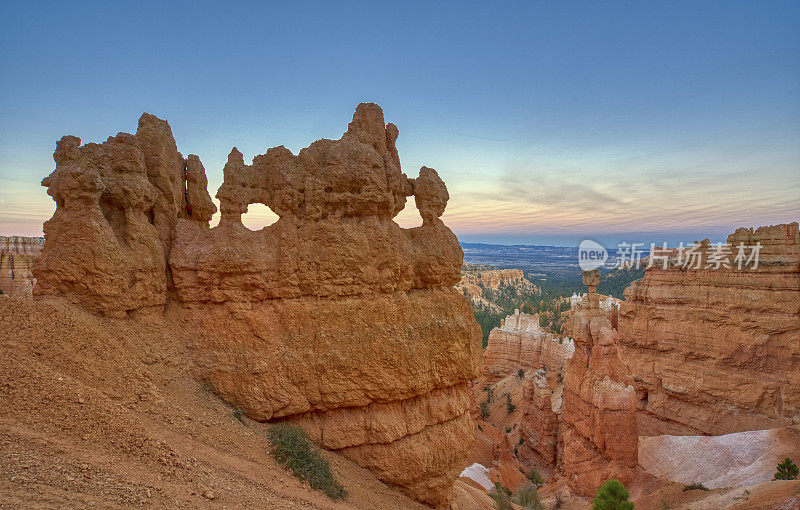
(334, 317)
(599, 439)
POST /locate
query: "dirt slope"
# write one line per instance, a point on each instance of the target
(105, 413)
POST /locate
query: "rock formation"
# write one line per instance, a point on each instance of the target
(17, 255)
(520, 342)
(598, 439)
(117, 204)
(716, 350)
(333, 317)
(473, 281)
(541, 414)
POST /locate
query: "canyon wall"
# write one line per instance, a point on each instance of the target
(717, 350)
(474, 280)
(334, 317)
(17, 255)
(521, 343)
(598, 438)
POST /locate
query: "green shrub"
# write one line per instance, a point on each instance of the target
(612, 496)
(534, 477)
(520, 373)
(528, 498)
(501, 497)
(480, 428)
(787, 470)
(509, 406)
(292, 448)
(508, 430)
(695, 486)
(521, 440)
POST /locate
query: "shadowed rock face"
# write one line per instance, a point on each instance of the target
(715, 351)
(333, 317)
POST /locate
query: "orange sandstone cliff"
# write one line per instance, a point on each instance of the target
(17, 255)
(333, 317)
(521, 343)
(715, 351)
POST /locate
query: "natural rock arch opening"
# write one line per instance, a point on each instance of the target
(258, 216)
(409, 217)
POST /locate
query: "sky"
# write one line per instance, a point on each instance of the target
(550, 122)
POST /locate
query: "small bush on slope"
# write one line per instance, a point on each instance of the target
(534, 476)
(528, 499)
(501, 497)
(612, 496)
(694, 486)
(291, 447)
(787, 470)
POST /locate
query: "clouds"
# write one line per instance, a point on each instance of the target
(669, 186)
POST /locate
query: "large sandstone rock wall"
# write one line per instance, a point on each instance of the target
(715, 351)
(520, 342)
(333, 317)
(17, 255)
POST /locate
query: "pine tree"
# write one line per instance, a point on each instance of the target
(484, 411)
(612, 496)
(787, 470)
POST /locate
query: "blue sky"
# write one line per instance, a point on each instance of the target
(549, 122)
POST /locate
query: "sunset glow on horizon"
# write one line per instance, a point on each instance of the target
(679, 121)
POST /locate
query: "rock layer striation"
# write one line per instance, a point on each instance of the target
(17, 255)
(521, 343)
(714, 350)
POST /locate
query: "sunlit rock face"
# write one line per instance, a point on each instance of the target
(333, 317)
(17, 256)
(714, 351)
(521, 343)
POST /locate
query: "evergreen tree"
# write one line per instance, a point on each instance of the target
(787, 470)
(484, 411)
(612, 495)
(510, 407)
